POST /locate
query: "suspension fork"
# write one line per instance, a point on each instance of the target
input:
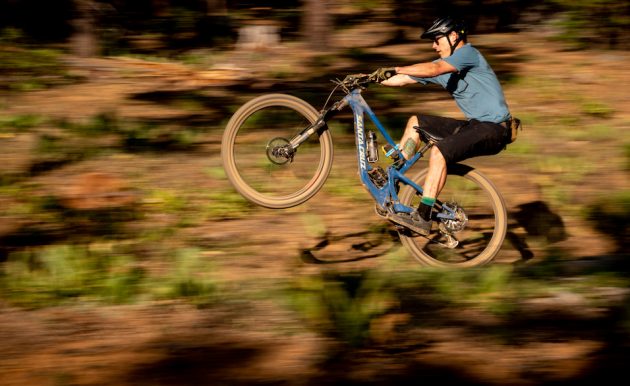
(320, 123)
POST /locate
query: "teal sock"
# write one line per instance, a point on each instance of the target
(428, 201)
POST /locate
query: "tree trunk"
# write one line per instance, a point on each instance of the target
(161, 8)
(216, 7)
(316, 24)
(83, 41)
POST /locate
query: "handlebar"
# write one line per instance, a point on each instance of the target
(348, 84)
(353, 81)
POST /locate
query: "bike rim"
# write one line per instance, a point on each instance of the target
(483, 234)
(261, 179)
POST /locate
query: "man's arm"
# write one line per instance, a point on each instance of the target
(427, 70)
(420, 70)
(398, 81)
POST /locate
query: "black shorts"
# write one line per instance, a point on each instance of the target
(465, 139)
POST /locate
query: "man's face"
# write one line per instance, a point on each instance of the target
(442, 46)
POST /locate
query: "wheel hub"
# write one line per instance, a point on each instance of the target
(280, 151)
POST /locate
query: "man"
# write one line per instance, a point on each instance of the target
(466, 75)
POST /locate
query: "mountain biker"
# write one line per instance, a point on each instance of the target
(464, 73)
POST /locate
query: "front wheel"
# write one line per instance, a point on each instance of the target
(254, 156)
(478, 227)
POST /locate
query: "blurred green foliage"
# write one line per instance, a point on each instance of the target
(25, 69)
(55, 273)
(99, 272)
(472, 283)
(351, 306)
(597, 109)
(132, 26)
(595, 22)
(19, 123)
(342, 305)
(190, 277)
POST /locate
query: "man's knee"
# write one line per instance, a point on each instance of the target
(437, 156)
(412, 122)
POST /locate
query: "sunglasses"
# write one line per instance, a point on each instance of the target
(436, 39)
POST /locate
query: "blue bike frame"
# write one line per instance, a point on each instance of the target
(396, 173)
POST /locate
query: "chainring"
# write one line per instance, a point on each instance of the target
(455, 224)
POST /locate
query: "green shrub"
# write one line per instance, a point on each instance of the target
(190, 277)
(611, 215)
(19, 122)
(342, 305)
(31, 69)
(57, 273)
(596, 108)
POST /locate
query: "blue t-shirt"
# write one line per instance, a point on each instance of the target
(474, 86)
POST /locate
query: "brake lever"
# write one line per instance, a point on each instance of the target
(342, 84)
(353, 81)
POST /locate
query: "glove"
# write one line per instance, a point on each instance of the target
(383, 74)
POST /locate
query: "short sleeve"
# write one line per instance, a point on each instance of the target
(435, 80)
(422, 81)
(464, 58)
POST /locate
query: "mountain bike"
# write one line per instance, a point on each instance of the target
(277, 152)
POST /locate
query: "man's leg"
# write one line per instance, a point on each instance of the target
(433, 183)
(474, 139)
(436, 176)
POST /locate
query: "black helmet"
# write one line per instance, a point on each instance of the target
(444, 25)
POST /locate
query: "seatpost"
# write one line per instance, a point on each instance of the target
(426, 147)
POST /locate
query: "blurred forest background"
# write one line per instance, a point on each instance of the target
(117, 26)
(127, 258)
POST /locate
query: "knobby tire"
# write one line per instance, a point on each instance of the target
(252, 193)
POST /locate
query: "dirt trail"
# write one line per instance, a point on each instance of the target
(175, 343)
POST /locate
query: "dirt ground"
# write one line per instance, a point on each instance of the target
(557, 342)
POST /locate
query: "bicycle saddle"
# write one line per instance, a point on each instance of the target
(427, 137)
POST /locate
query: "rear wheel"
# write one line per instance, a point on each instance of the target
(253, 150)
(478, 227)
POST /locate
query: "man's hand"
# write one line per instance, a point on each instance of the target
(383, 74)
